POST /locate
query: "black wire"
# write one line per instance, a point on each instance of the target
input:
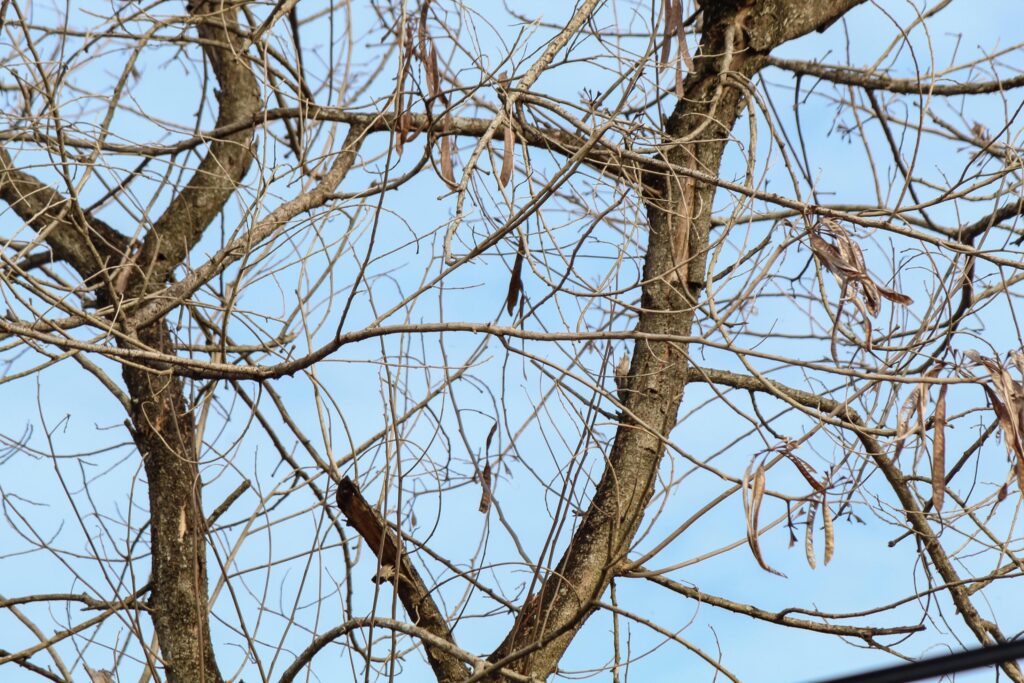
(939, 666)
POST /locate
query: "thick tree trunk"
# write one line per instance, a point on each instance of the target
(164, 432)
(735, 42)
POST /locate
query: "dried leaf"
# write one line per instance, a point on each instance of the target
(831, 257)
(807, 471)
(939, 450)
(515, 283)
(422, 26)
(433, 73)
(1007, 401)
(666, 45)
(917, 402)
(485, 484)
(845, 260)
(1019, 469)
(812, 511)
(402, 127)
(753, 511)
(490, 435)
(830, 532)
(508, 155)
(684, 53)
(894, 296)
(447, 170)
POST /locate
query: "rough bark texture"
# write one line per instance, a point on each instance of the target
(163, 430)
(396, 568)
(674, 274)
(162, 424)
(228, 158)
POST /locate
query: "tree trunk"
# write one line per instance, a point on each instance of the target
(164, 432)
(735, 42)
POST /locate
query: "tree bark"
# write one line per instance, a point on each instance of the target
(164, 432)
(736, 39)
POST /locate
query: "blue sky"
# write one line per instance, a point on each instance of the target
(346, 400)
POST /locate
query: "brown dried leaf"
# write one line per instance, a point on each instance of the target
(1019, 470)
(807, 471)
(917, 402)
(845, 260)
(809, 535)
(830, 532)
(812, 511)
(447, 170)
(753, 510)
(424, 40)
(684, 53)
(894, 296)
(1003, 415)
(404, 122)
(485, 484)
(433, 73)
(515, 283)
(1008, 410)
(508, 156)
(831, 257)
(939, 450)
(490, 435)
(666, 45)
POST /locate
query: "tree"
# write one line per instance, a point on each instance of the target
(652, 303)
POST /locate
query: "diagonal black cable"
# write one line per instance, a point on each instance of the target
(939, 666)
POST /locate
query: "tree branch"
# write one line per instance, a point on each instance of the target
(395, 567)
(226, 162)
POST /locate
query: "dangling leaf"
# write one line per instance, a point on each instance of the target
(490, 435)
(939, 450)
(1006, 399)
(433, 73)
(752, 507)
(807, 471)
(447, 170)
(684, 52)
(508, 155)
(485, 484)
(666, 45)
(515, 283)
(830, 533)
(812, 511)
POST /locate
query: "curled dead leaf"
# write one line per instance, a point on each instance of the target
(508, 154)
(490, 435)
(485, 485)
(806, 471)
(752, 508)
(812, 512)
(939, 450)
(447, 169)
(515, 283)
(830, 532)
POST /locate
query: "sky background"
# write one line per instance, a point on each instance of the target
(62, 413)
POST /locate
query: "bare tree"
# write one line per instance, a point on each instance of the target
(346, 339)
